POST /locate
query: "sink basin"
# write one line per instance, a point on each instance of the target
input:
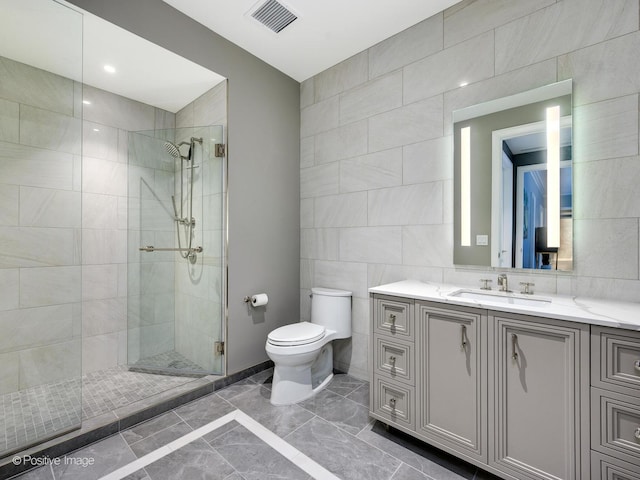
(501, 298)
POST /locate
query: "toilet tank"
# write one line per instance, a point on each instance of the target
(332, 309)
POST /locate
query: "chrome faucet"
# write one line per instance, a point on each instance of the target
(503, 283)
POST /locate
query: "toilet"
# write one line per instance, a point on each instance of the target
(302, 352)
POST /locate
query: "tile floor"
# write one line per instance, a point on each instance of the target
(33, 414)
(328, 436)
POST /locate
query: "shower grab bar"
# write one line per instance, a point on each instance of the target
(151, 248)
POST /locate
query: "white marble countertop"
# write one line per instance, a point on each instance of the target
(575, 309)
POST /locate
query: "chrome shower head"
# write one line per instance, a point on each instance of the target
(172, 149)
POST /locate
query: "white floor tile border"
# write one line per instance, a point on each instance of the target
(291, 453)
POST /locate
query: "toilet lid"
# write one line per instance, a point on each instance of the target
(296, 334)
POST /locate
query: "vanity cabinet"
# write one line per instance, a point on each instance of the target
(615, 403)
(507, 392)
(451, 346)
(538, 396)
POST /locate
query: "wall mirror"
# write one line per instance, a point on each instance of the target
(513, 181)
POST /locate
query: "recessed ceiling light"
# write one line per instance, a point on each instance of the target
(110, 69)
(86, 102)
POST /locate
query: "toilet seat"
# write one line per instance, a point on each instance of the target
(301, 333)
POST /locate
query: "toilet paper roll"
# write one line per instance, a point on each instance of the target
(259, 299)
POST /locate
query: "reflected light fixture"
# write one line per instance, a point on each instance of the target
(110, 69)
(465, 186)
(553, 177)
(86, 102)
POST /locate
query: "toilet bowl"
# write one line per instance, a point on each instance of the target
(302, 352)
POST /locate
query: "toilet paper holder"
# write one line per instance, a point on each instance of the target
(257, 300)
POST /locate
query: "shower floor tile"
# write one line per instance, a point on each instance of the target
(170, 360)
(31, 415)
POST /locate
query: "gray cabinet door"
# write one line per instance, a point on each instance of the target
(538, 393)
(450, 349)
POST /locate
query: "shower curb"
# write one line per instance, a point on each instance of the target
(98, 428)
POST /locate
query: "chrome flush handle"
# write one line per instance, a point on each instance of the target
(637, 433)
(636, 366)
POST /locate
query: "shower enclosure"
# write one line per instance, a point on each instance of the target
(176, 252)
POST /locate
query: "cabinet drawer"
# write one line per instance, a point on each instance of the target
(616, 360)
(394, 359)
(393, 317)
(615, 425)
(393, 402)
(609, 468)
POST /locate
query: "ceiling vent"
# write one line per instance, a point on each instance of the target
(274, 16)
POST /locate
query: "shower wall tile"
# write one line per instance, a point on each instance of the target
(607, 129)
(116, 111)
(50, 130)
(43, 207)
(412, 123)
(211, 107)
(28, 85)
(9, 205)
(367, 172)
(428, 161)
(592, 21)
(102, 176)
(9, 373)
(307, 92)
(376, 96)
(342, 142)
(9, 288)
(185, 117)
(104, 246)
(102, 211)
(99, 352)
(30, 327)
(99, 282)
(50, 364)
(469, 19)
(306, 212)
(35, 167)
(36, 247)
(164, 120)
(9, 121)
(406, 205)
(470, 61)
(108, 315)
(99, 141)
(49, 286)
(307, 152)
(406, 47)
(343, 76)
(598, 67)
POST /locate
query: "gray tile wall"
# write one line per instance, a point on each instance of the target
(376, 168)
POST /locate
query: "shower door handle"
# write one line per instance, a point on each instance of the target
(151, 248)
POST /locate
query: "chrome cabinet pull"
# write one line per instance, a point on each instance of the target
(463, 333)
(392, 403)
(514, 339)
(636, 366)
(392, 318)
(392, 360)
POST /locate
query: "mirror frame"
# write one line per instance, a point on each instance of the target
(462, 256)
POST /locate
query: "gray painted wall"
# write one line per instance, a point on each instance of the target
(263, 156)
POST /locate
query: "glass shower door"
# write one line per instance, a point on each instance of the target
(40, 223)
(176, 305)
